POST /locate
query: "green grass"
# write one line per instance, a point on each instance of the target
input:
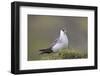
(62, 54)
(72, 54)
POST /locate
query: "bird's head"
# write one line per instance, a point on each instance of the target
(64, 30)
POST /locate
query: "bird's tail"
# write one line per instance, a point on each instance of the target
(48, 50)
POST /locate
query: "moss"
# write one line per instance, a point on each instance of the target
(72, 54)
(64, 54)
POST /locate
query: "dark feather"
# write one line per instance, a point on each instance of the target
(48, 50)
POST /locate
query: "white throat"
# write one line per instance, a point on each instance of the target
(61, 43)
(63, 36)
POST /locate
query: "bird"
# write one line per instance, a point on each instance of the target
(60, 43)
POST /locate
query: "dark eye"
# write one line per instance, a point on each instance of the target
(63, 29)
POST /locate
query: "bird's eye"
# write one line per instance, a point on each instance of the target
(63, 29)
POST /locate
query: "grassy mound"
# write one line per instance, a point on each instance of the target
(64, 54)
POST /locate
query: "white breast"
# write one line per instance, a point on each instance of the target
(61, 43)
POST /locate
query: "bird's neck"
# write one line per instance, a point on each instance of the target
(62, 35)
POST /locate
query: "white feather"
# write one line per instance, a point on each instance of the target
(61, 43)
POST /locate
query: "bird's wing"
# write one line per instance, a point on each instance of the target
(58, 40)
(54, 42)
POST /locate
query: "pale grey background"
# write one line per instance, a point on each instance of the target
(43, 30)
